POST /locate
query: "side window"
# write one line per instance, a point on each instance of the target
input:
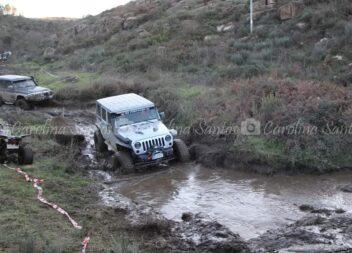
(103, 114)
(108, 118)
(98, 110)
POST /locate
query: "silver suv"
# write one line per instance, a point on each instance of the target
(22, 91)
(131, 127)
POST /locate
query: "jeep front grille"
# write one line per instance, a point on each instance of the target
(157, 142)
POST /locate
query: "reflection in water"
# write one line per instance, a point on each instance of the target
(248, 204)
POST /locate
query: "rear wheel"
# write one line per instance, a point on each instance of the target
(181, 151)
(25, 155)
(99, 142)
(23, 104)
(122, 161)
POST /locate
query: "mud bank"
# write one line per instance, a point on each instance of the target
(219, 153)
(313, 233)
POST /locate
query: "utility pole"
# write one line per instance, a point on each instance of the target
(251, 14)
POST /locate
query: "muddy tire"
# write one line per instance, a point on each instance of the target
(123, 162)
(23, 104)
(25, 155)
(181, 151)
(99, 142)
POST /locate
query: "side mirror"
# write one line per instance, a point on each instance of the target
(162, 115)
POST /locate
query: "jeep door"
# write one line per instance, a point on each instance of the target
(7, 92)
(104, 125)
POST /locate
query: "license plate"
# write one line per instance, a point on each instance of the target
(12, 146)
(157, 156)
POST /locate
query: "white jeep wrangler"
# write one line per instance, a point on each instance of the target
(131, 127)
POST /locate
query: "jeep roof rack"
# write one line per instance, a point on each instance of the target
(124, 103)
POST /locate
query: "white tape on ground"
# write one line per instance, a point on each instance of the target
(40, 197)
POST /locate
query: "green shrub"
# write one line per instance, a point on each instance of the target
(268, 106)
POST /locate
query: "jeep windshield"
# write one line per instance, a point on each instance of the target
(22, 84)
(136, 117)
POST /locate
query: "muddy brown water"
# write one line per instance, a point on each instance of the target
(248, 204)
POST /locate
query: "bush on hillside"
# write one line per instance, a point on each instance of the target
(301, 105)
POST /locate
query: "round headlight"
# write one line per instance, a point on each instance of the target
(168, 138)
(137, 145)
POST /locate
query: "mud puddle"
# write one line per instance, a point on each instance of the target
(247, 204)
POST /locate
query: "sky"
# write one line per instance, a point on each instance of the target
(62, 8)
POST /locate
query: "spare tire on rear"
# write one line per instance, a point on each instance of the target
(25, 155)
(181, 151)
(123, 161)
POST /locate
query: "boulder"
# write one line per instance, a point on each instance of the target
(301, 25)
(289, 11)
(337, 57)
(225, 28)
(49, 51)
(220, 28)
(229, 28)
(211, 38)
(322, 48)
(144, 34)
(187, 217)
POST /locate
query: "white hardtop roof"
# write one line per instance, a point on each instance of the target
(14, 77)
(126, 102)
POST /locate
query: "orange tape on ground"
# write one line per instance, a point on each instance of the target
(85, 243)
(40, 197)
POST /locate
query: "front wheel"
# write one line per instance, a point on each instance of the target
(23, 104)
(122, 160)
(25, 155)
(181, 151)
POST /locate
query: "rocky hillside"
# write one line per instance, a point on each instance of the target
(306, 39)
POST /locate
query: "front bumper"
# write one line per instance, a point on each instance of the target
(41, 98)
(147, 159)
